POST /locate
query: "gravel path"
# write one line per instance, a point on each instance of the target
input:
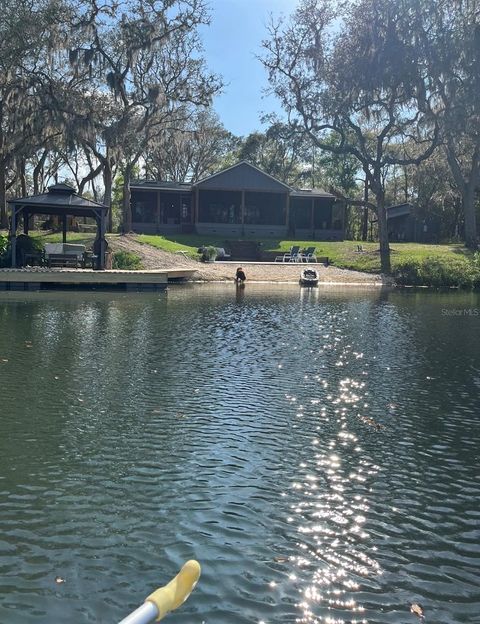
(154, 258)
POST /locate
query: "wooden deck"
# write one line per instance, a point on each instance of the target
(43, 279)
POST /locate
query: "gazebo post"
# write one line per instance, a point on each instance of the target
(13, 237)
(26, 222)
(64, 228)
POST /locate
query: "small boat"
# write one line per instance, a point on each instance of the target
(309, 277)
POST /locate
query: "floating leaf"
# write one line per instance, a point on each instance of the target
(417, 609)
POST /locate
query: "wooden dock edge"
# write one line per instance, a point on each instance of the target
(43, 279)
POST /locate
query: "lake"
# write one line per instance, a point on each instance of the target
(315, 450)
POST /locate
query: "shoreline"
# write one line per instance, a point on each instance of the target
(260, 272)
(377, 284)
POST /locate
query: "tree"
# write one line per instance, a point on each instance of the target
(30, 31)
(191, 152)
(148, 70)
(279, 151)
(449, 32)
(362, 85)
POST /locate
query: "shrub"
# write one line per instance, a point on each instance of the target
(4, 251)
(25, 245)
(438, 273)
(209, 254)
(127, 261)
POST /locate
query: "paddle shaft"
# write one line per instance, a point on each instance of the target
(145, 614)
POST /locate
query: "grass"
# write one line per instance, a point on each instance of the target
(342, 254)
(82, 238)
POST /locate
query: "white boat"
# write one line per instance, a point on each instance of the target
(309, 277)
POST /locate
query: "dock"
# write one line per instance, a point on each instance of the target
(39, 278)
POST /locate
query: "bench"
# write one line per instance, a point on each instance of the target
(64, 254)
(62, 260)
(87, 227)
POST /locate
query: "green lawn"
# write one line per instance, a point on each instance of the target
(82, 238)
(343, 254)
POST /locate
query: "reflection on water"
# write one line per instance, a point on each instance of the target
(315, 449)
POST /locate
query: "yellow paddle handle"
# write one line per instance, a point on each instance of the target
(174, 594)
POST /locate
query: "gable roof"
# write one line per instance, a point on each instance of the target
(242, 176)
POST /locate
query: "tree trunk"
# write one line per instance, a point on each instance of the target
(365, 213)
(469, 211)
(23, 177)
(127, 208)
(107, 197)
(467, 188)
(3, 197)
(37, 171)
(383, 233)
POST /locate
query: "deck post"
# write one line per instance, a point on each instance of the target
(312, 218)
(157, 213)
(196, 209)
(242, 212)
(287, 211)
(13, 237)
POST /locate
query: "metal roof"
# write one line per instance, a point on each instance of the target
(311, 193)
(60, 199)
(161, 185)
(242, 176)
(399, 210)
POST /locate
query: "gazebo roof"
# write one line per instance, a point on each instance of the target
(60, 199)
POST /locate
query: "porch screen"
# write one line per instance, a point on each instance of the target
(265, 208)
(219, 207)
(302, 212)
(323, 214)
(170, 208)
(144, 206)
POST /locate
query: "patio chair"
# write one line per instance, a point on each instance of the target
(293, 255)
(308, 255)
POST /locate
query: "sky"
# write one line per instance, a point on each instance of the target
(231, 42)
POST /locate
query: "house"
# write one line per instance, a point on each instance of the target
(239, 201)
(405, 224)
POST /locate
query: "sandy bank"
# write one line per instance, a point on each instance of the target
(271, 272)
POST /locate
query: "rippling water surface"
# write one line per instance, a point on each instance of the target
(316, 451)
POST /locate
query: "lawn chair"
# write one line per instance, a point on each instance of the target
(167, 598)
(293, 255)
(308, 255)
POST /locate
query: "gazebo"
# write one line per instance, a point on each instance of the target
(61, 200)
